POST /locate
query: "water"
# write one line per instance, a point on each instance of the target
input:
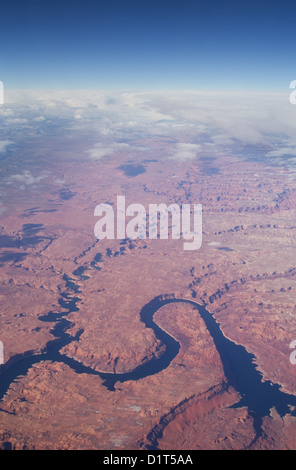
(239, 365)
(132, 169)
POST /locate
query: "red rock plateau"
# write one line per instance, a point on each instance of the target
(244, 274)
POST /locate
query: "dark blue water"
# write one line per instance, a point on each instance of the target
(132, 169)
(239, 366)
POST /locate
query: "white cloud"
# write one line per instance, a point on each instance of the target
(282, 151)
(221, 119)
(39, 119)
(101, 150)
(4, 144)
(17, 120)
(248, 117)
(6, 111)
(59, 181)
(185, 151)
(26, 178)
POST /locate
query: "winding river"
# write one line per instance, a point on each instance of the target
(239, 365)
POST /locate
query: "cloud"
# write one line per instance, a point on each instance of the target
(6, 111)
(100, 150)
(199, 121)
(282, 151)
(39, 119)
(248, 117)
(4, 144)
(185, 151)
(26, 178)
(17, 121)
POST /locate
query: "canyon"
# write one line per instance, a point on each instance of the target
(72, 309)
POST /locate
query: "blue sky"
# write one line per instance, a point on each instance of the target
(155, 44)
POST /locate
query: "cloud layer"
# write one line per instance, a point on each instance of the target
(195, 122)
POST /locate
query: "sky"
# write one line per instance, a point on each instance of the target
(148, 45)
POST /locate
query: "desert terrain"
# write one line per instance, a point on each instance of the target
(71, 307)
